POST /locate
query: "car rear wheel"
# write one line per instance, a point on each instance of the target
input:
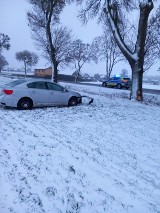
(72, 101)
(119, 86)
(104, 84)
(24, 104)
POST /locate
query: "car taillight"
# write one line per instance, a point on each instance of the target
(7, 91)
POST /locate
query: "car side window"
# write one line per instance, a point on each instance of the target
(56, 87)
(37, 85)
(30, 85)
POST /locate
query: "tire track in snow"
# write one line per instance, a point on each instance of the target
(81, 161)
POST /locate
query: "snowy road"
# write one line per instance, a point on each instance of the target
(97, 158)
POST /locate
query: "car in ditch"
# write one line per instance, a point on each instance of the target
(28, 93)
(117, 82)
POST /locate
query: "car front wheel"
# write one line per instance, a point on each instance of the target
(72, 101)
(24, 104)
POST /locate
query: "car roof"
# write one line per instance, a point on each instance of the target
(23, 81)
(28, 80)
(37, 79)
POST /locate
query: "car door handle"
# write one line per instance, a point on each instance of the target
(33, 92)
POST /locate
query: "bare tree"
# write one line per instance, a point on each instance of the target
(108, 51)
(4, 42)
(153, 39)
(62, 40)
(43, 17)
(81, 54)
(152, 42)
(28, 58)
(117, 12)
(3, 62)
(124, 73)
(136, 57)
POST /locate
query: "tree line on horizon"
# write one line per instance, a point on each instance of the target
(137, 42)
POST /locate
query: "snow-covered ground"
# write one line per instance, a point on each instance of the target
(98, 158)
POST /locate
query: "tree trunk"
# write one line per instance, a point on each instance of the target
(77, 74)
(52, 68)
(55, 72)
(25, 69)
(137, 79)
(137, 68)
(75, 79)
(107, 69)
(51, 45)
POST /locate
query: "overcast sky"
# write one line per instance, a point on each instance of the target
(13, 22)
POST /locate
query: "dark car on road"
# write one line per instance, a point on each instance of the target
(117, 82)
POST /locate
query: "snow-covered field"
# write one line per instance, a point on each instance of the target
(98, 158)
(145, 85)
(151, 86)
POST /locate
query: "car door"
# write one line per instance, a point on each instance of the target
(39, 93)
(57, 94)
(110, 82)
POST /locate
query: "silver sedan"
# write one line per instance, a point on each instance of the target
(28, 93)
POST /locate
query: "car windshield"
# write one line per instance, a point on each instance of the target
(15, 83)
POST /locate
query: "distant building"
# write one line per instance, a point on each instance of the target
(47, 72)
